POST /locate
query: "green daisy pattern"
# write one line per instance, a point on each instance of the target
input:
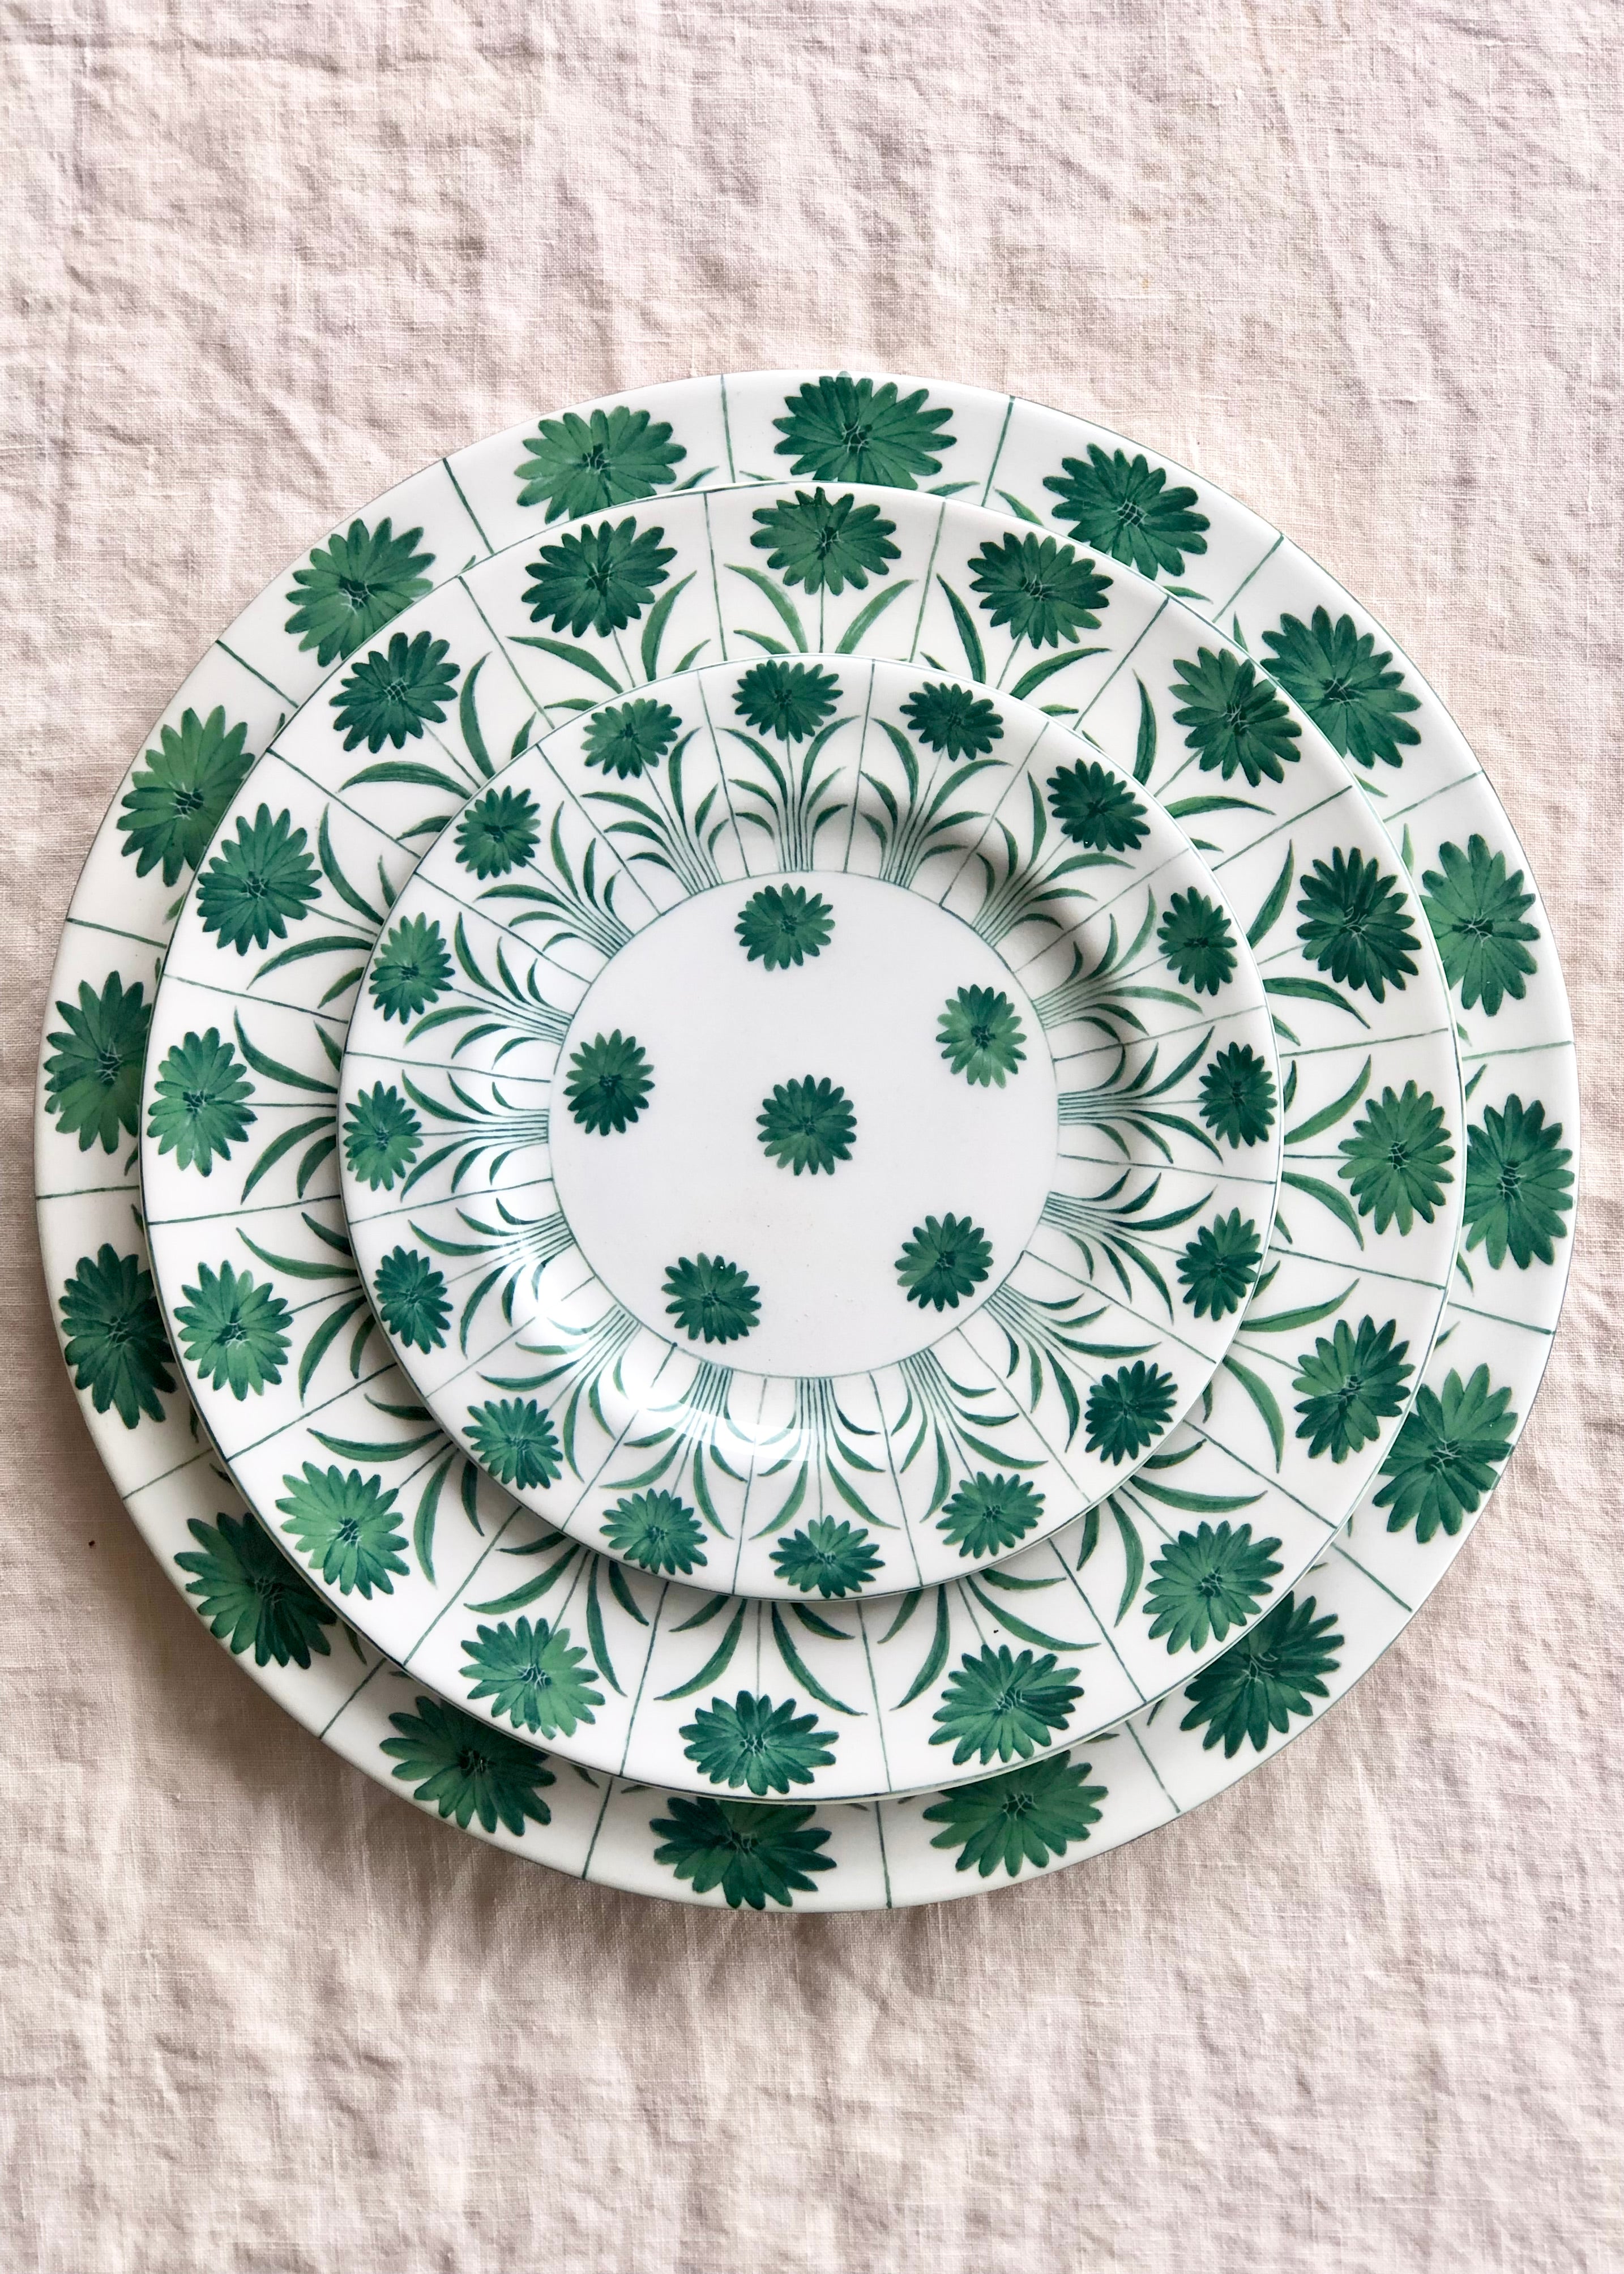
(753, 1742)
(234, 1330)
(711, 1297)
(1350, 692)
(532, 1675)
(1519, 1185)
(787, 700)
(656, 1530)
(995, 1705)
(393, 692)
(1350, 1382)
(382, 1136)
(1028, 1815)
(576, 466)
(1477, 911)
(1274, 1671)
(347, 1526)
(1233, 721)
(467, 1769)
(756, 1855)
(626, 738)
(600, 580)
(175, 801)
(1123, 507)
(1128, 1410)
(1196, 940)
(1354, 924)
(349, 587)
(114, 1337)
(1040, 588)
(943, 1259)
(1095, 806)
(953, 720)
(981, 1036)
(92, 1072)
(609, 1082)
(411, 970)
(1395, 1158)
(824, 544)
(835, 1557)
(199, 1109)
(839, 429)
(784, 924)
(989, 1514)
(516, 1442)
(1220, 1264)
(1237, 1096)
(250, 1597)
(806, 1125)
(498, 832)
(258, 883)
(1208, 1581)
(1445, 1458)
(411, 1299)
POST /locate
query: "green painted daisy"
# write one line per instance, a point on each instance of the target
(656, 1530)
(1208, 1581)
(1274, 1670)
(626, 738)
(990, 1514)
(1232, 720)
(347, 1526)
(1351, 1383)
(532, 1675)
(349, 587)
(1220, 1264)
(825, 544)
(516, 1442)
(498, 832)
(1394, 1158)
(711, 1299)
(1445, 1458)
(1352, 694)
(1095, 806)
(113, 1336)
(1123, 506)
(234, 1330)
(600, 580)
(994, 1704)
(1519, 1186)
(410, 969)
(1478, 915)
(382, 1136)
(176, 797)
(1237, 1096)
(1128, 1410)
(198, 1103)
(755, 1853)
(391, 694)
(835, 1557)
(953, 719)
(1028, 1815)
(788, 700)
(467, 1769)
(943, 1260)
(753, 1742)
(609, 1082)
(981, 1036)
(412, 1299)
(92, 1072)
(1355, 925)
(806, 1125)
(258, 883)
(251, 1596)
(577, 465)
(1040, 588)
(839, 429)
(1196, 940)
(784, 924)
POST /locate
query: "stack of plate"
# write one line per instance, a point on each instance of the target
(854, 1135)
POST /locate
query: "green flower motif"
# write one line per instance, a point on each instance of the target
(393, 692)
(114, 1339)
(1208, 1581)
(411, 969)
(1444, 1459)
(92, 1075)
(1220, 1264)
(626, 738)
(351, 587)
(788, 700)
(1028, 1815)
(757, 1743)
(989, 1514)
(941, 1261)
(197, 1109)
(258, 883)
(836, 1558)
(847, 430)
(1273, 1672)
(581, 465)
(1518, 1185)
(610, 1081)
(953, 720)
(1478, 915)
(752, 1853)
(784, 924)
(467, 1769)
(1128, 1410)
(656, 1530)
(347, 1526)
(712, 1299)
(516, 1442)
(1038, 588)
(1348, 691)
(498, 832)
(825, 543)
(1233, 720)
(233, 1327)
(1394, 1158)
(981, 1036)
(1355, 924)
(382, 1136)
(1350, 1384)
(599, 581)
(411, 1299)
(532, 1674)
(806, 1125)
(995, 1703)
(251, 1596)
(1237, 1096)
(1123, 506)
(175, 802)
(1095, 806)
(1197, 942)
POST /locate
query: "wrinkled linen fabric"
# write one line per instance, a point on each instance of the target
(1362, 267)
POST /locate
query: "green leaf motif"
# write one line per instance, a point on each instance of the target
(93, 1066)
(836, 1558)
(753, 1742)
(600, 580)
(349, 587)
(981, 1036)
(1220, 1264)
(532, 1675)
(411, 1299)
(1395, 1159)
(824, 544)
(410, 969)
(609, 1082)
(1445, 1458)
(1208, 1581)
(1233, 722)
(782, 925)
(1123, 507)
(1276, 1670)
(251, 1596)
(1128, 1410)
(1348, 691)
(787, 700)
(989, 1514)
(806, 1125)
(498, 832)
(575, 465)
(1355, 924)
(113, 1336)
(1197, 942)
(1028, 1815)
(1478, 915)
(1040, 588)
(382, 1136)
(839, 429)
(996, 1706)
(1237, 1096)
(1350, 1382)
(393, 692)
(711, 1298)
(943, 1260)
(178, 796)
(347, 1526)
(626, 738)
(516, 1442)
(1519, 1185)
(467, 1769)
(656, 1530)
(953, 720)
(258, 883)
(756, 1854)
(1095, 806)
(233, 1328)
(199, 1102)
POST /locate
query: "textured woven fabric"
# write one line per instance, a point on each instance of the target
(1361, 266)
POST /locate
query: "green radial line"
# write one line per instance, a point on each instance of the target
(1122, 664)
(744, 1507)
(1086, 1598)
(643, 1672)
(1364, 1572)
(1005, 1389)
(1140, 1746)
(349, 1697)
(874, 1692)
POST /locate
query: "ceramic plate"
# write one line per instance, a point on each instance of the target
(1516, 1040)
